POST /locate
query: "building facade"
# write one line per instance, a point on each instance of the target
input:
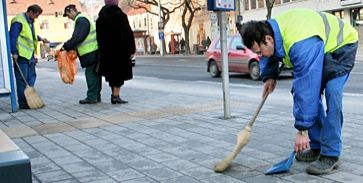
(205, 23)
(349, 10)
(50, 24)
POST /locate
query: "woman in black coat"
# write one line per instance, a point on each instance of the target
(116, 45)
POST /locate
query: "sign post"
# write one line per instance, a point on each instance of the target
(161, 37)
(7, 88)
(221, 6)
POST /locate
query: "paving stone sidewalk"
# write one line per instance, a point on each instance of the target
(160, 136)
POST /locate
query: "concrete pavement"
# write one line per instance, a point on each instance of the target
(160, 136)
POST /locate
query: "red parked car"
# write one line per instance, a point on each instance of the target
(240, 58)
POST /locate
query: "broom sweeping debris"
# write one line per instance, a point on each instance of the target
(243, 137)
(31, 95)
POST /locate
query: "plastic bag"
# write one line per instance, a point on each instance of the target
(67, 65)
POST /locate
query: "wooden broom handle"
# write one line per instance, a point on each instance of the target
(22, 75)
(263, 100)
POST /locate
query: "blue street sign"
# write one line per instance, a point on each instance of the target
(239, 18)
(161, 35)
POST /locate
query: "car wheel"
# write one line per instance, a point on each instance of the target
(213, 69)
(255, 71)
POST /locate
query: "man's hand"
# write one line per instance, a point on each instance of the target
(45, 40)
(301, 142)
(15, 57)
(269, 86)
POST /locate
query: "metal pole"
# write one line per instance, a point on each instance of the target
(224, 55)
(238, 7)
(161, 41)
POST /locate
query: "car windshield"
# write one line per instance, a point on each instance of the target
(236, 41)
(218, 45)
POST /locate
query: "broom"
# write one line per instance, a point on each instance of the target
(31, 95)
(243, 137)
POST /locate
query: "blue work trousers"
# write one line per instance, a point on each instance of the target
(327, 129)
(28, 69)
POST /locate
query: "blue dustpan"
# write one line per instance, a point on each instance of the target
(281, 166)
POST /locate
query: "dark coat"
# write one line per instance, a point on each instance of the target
(116, 44)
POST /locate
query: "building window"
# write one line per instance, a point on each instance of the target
(253, 4)
(151, 24)
(261, 3)
(44, 24)
(339, 14)
(144, 21)
(134, 24)
(356, 16)
(68, 23)
(247, 4)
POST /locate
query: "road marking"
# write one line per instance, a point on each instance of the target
(353, 94)
(162, 65)
(242, 85)
(238, 85)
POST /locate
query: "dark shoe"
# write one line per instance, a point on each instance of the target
(323, 165)
(24, 106)
(88, 101)
(118, 100)
(99, 99)
(308, 155)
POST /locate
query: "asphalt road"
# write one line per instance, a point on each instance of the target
(194, 69)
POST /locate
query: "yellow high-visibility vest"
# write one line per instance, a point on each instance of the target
(27, 41)
(90, 43)
(334, 31)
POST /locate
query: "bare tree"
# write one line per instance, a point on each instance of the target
(190, 8)
(269, 5)
(165, 12)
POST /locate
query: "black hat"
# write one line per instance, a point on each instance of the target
(67, 9)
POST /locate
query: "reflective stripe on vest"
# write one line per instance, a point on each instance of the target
(334, 31)
(26, 42)
(327, 29)
(90, 43)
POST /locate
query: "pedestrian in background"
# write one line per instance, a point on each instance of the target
(204, 44)
(208, 42)
(84, 42)
(321, 48)
(182, 44)
(117, 47)
(23, 45)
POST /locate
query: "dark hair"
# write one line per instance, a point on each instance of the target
(73, 7)
(252, 31)
(35, 9)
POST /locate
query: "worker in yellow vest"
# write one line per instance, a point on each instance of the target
(321, 48)
(23, 45)
(84, 42)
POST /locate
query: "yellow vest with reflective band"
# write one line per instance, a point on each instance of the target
(299, 24)
(90, 43)
(26, 42)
